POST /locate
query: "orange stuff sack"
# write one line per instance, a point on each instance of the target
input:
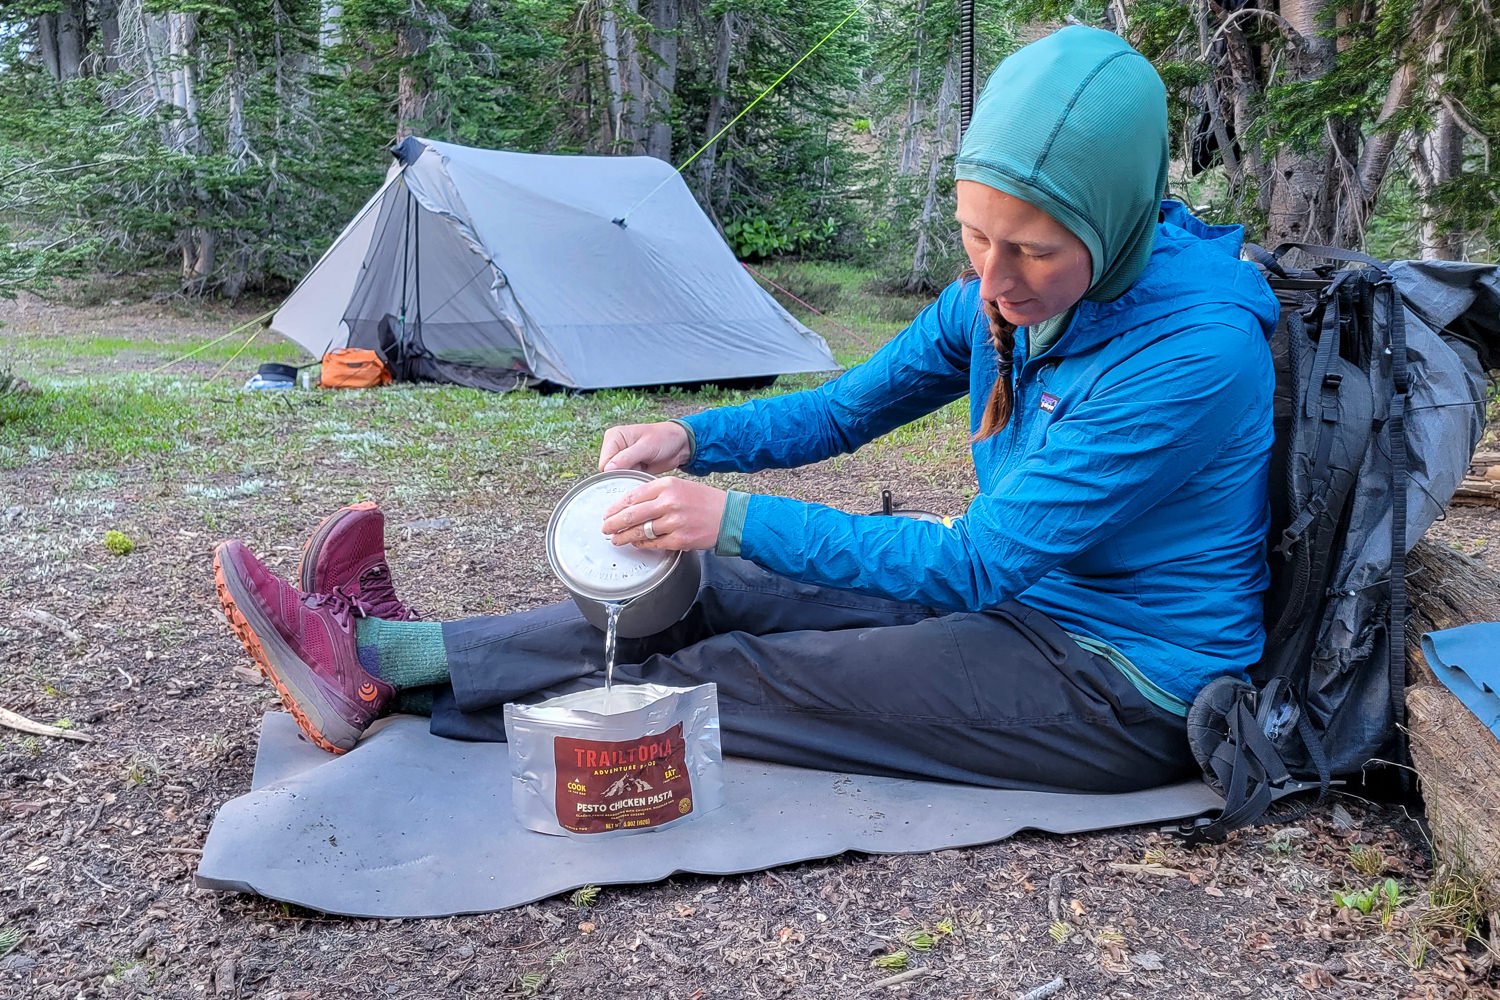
(353, 368)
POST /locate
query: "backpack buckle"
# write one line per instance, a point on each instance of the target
(1199, 830)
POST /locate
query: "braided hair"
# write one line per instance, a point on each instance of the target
(997, 408)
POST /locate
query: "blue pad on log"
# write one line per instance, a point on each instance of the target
(1467, 662)
(412, 825)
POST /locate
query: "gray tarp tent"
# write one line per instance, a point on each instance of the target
(492, 268)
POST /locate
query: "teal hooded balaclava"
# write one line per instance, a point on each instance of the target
(1076, 124)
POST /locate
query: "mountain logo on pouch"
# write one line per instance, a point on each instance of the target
(627, 785)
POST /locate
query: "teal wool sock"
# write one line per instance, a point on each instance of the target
(403, 654)
(413, 701)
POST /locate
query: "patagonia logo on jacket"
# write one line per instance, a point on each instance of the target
(1048, 403)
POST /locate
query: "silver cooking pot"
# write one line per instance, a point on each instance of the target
(888, 506)
(655, 587)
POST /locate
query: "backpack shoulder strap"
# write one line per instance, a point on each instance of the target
(1328, 253)
(1396, 431)
(1265, 259)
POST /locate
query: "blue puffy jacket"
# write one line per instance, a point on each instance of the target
(1126, 499)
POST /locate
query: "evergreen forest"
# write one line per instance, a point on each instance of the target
(222, 146)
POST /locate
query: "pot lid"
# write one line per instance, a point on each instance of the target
(584, 558)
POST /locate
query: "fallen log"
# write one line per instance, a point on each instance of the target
(1456, 757)
(1481, 485)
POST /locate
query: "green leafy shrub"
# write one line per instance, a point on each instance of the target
(117, 543)
(757, 237)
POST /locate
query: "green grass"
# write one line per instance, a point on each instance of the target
(210, 441)
(70, 351)
(854, 318)
(102, 423)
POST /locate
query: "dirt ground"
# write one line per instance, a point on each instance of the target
(99, 840)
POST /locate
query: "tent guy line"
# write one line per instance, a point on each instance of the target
(260, 320)
(744, 111)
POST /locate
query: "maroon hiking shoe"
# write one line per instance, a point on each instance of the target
(347, 553)
(305, 645)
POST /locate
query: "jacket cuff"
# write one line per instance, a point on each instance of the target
(692, 440)
(732, 524)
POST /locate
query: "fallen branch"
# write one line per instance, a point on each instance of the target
(1160, 871)
(51, 621)
(1054, 896)
(93, 818)
(11, 720)
(901, 977)
(1045, 990)
(95, 879)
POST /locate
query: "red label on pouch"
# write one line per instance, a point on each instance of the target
(603, 786)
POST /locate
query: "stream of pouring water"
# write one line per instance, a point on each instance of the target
(611, 629)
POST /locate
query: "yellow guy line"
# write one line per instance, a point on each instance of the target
(248, 341)
(200, 349)
(774, 84)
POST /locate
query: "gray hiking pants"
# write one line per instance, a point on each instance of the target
(837, 680)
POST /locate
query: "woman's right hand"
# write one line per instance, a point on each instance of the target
(653, 448)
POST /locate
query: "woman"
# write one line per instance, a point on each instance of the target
(1114, 350)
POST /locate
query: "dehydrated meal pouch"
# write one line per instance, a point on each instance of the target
(634, 758)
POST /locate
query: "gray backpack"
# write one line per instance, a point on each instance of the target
(1380, 402)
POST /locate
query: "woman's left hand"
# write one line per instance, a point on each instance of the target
(681, 514)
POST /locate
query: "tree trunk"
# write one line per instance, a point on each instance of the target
(72, 38)
(1305, 184)
(294, 63)
(609, 42)
(411, 85)
(62, 39)
(152, 42)
(234, 125)
(717, 105)
(46, 43)
(198, 243)
(1376, 156)
(909, 141)
(1214, 103)
(183, 29)
(665, 18)
(1326, 195)
(234, 277)
(107, 18)
(937, 147)
(1441, 152)
(1429, 30)
(329, 32)
(1456, 756)
(634, 132)
(1243, 82)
